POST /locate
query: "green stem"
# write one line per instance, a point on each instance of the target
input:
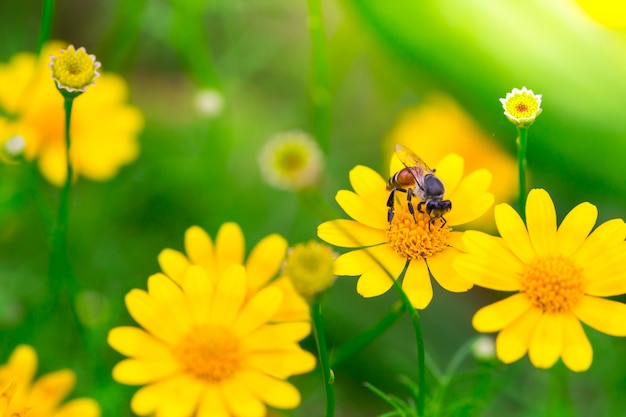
(357, 344)
(419, 339)
(46, 24)
(320, 84)
(322, 350)
(522, 143)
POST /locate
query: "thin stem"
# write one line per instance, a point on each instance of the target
(322, 351)
(357, 344)
(419, 339)
(46, 24)
(522, 143)
(320, 84)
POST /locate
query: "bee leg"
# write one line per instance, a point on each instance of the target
(409, 195)
(420, 206)
(390, 202)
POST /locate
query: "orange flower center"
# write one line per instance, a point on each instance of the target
(553, 283)
(210, 353)
(413, 239)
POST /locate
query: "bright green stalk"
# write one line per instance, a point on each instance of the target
(322, 351)
(419, 339)
(46, 24)
(320, 84)
(522, 144)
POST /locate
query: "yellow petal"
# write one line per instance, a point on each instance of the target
(162, 289)
(575, 228)
(350, 234)
(265, 260)
(151, 317)
(146, 399)
(272, 391)
(371, 213)
(229, 246)
(606, 236)
(277, 335)
(198, 288)
(212, 403)
(513, 231)
(180, 396)
(373, 282)
(199, 247)
(136, 343)
(240, 400)
(293, 307)
(140, 371)
(606, 276)
(455, 239)
(173, 264)
(229, 296)
(50, 389)
(500, 314)
(282, 363)
(606, 316)
(470, 199)
(481, 272)
(541, 222)
(23, 364)
(365, 181)
(79, 407)
(577, 352)
(512, 342)
(440, 266)
(257, 311)
(546, 343)
(353, 263)
(171, 300)
(416, 284)
(450, 171)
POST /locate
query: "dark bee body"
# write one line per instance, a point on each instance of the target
(416, 178)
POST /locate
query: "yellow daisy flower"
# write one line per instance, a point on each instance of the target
(559, 277)
(21, 396)
(309, 266)
(521, 107)
(263, 264)
(104, 127)
(74, 70)
(381, 248)
(208, 348)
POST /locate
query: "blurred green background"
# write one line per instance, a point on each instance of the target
(383, 57)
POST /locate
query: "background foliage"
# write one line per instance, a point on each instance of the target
(383, 57)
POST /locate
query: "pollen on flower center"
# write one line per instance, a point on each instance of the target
(415, 240)
(210, 353)
(522, 106)
(553, 284)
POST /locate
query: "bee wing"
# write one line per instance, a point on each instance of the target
(412, 161)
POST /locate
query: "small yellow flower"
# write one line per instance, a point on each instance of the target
(20, 396)
(381, 248)
(522, 107)
(74, 70)
(309, 266)
(291, 160)
(104, 127)
(559, 277)
(608, 13)
(215, 343)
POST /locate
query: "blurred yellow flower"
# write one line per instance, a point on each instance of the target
(309, 266)
(608, 13)
(74, 70)
(20, 396)
(263, 264)
(104, 127)
(559, 276)
(440, 126)
(381, 248)
(521, 107)
(209, 349)
(291, 160)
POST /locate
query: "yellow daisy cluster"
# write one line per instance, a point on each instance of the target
(21, 395)
(380, 250)
(219, 336)
(104, 127)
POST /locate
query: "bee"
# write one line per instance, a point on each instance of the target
(417, 179)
